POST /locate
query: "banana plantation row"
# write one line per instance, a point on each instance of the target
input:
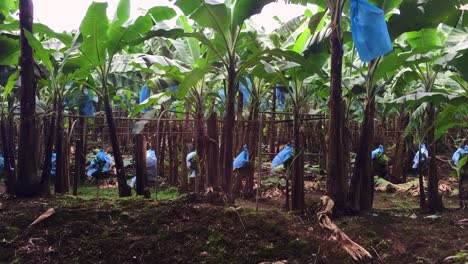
(305, 85)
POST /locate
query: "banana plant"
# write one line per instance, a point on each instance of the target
(429, 52)
(55, 59)
(398, 24)
(224, 22)
(103, 39)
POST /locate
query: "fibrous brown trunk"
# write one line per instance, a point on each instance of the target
(398, 174)
(212, 153)
(434, 199)
(297, 191)
(185, 135)
(336, 170)
(239, 143)
(79, 164)
(361, 194)
(66, 163)
(171, 150)
(422, 194)
(10, 176)
(140, 165)
(59, 173)
(228, 130)
(272, 128)
(252, 134)
(27, 139)
(82, 136)
(124, 189)
(200, 147)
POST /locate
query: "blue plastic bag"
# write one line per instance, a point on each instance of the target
(86, 106)
(94, 166)
(151, 167)
(425, 155)
(173, 88)
(283, 156)
(242, 159)
(2, 165)
(369, 30)
(246, 90)
(281, 95)
(53, 168)
(456, 156)
(144, 94)
(376, 151)
(151, 164)
(189, 159)
(222, 95)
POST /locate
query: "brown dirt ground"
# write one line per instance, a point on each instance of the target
(188, 230)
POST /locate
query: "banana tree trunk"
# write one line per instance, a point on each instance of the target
(27, 139)
(297, 191)
(398, 173)
(212, 153)
(361, 194)
(10, 176)
(272, 128)
(49, 143)
(252, 134)
(228, 130)
(200, 148)
(185, 135)
(434, 200)
(422, 194)
(336, 169)
(59, 173)
(124, 189)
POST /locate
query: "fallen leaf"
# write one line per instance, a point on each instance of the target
(432, 216)
(43, 216)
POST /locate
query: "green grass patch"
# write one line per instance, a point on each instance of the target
(91, 193)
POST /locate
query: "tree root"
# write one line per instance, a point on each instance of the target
(357, 252)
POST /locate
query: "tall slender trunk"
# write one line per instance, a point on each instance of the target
(398, 174)
(272, 128)
(10, 176)
(26, 163)
(297, 191)
(212, 153)
(336, 170)
(434, 200)
(228, 129)
(124, 189)
(11, 132)
(82, 136)
(252, 144)
(170, 147)
(65, 181)
(59, 173)
(185, 135)
(177, 140)
(239, 143)
(79, 164)
(140, 165)
(361, 194)
(200, 146)
(422, 194)
(49, 143)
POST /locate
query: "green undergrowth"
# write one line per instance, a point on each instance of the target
(92, 193)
